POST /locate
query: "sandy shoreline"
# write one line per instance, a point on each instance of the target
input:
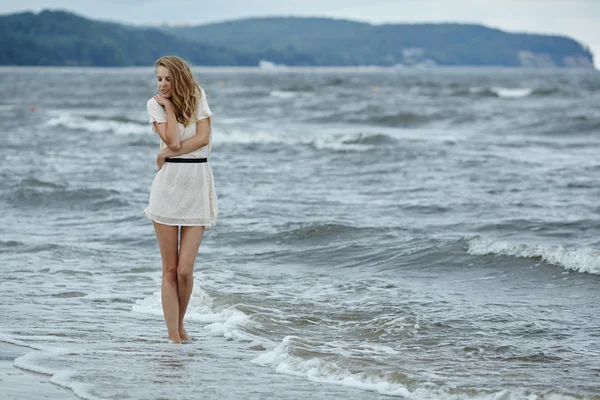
(18, 384)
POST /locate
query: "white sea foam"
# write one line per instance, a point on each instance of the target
(253, 137)
(335, 142)
(80, 122)
(340, 143)
(226, 322)
(81, 390)
(503, 92)
(322, 371)
(283, 94)
(582, 259)
(511, 92)
(28, 362)
(34, 361)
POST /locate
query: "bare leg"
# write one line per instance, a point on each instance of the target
(191, 236)
(167, 241)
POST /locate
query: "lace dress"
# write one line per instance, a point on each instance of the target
(183, 194)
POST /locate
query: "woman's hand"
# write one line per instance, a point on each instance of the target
(163, 101)
(160, 158)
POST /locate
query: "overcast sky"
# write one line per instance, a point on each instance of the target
(578, 19)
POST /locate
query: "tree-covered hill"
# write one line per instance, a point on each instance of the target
(64, 38)
(323, 41)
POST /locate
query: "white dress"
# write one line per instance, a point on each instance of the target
(183, 194)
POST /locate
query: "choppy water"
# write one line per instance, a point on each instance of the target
(427, 234)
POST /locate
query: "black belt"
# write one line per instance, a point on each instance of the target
(186, 160)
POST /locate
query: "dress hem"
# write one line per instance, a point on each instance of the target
(162, 221)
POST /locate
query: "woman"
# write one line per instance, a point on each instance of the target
(182, 193)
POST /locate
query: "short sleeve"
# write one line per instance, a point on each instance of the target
(155, 111)
(203, 108)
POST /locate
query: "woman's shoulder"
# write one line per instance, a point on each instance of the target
(201, 93)
(154, 107)
(152, 102)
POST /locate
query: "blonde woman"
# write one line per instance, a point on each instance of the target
(182, 196)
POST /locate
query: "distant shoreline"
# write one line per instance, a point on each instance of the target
(62, 38)
(303, 68)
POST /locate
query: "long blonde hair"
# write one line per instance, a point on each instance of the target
(185, 90)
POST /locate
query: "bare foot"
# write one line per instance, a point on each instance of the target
(183, 334)
(176, 339)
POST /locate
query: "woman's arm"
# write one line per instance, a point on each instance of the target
(169, 131)
(200, 139)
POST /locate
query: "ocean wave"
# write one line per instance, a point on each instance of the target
(317, 234)
(255, 137)
(29, 248)
(511, 92)
(544, 92)
(291, 91)
(351, 142)
(7, 339)
(502, 92)
(570, 125)
(583, 260)
(584, 124)
(506, 92)
(227, 322)
(303, 88)
(38, 183)
(7, 107)
(336, 81)
(402, 119)
(283, 94)
(148, 143)
(310, 359)
(375, 139)
(290, 357)
(9, 245)
(117, 125)
(388, 327)
(33, 192)
(34, 362)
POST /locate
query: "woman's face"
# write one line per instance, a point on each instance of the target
(164, 81)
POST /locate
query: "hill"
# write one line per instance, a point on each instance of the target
(324, 41)
(64, 38)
